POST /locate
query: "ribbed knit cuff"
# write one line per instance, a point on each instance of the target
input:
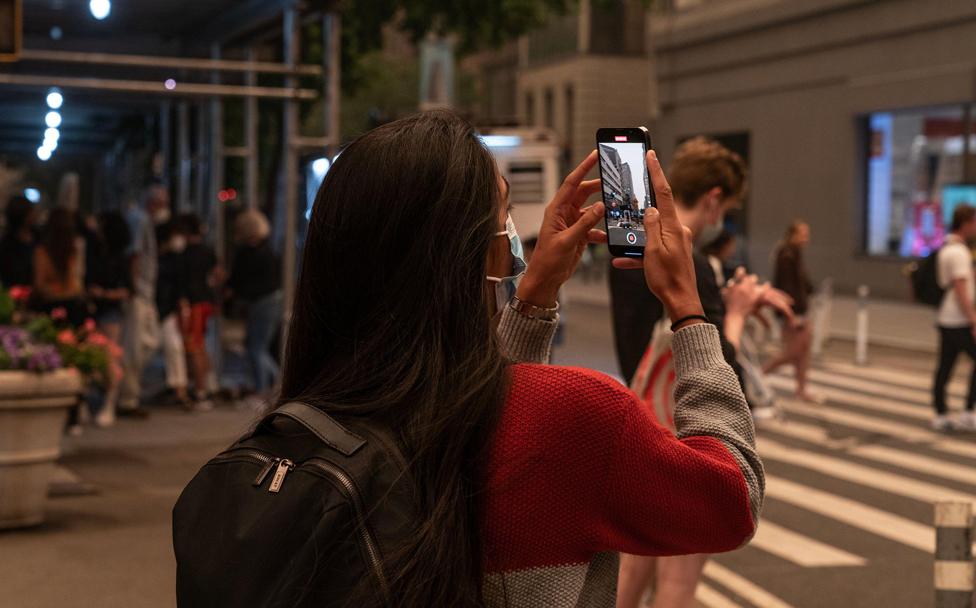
(524, 339)
(696, 347)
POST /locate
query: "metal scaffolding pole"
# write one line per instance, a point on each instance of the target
(200, 151)
(183, 152)
(251, 137)
(331, 29)
(165, 141)
(289, 164)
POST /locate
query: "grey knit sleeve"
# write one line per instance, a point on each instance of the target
(524, 339)
(709, 401)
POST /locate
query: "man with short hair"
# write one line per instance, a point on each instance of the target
(956, 317)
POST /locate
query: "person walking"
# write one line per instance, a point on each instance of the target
(173, 307)
(255, 281)
(790, 275)
(528, 478)
(956, 317)
(200, 261)
(109, 285)
(141, 326)
(17, 244)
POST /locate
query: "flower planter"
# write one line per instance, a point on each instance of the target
(33, 410)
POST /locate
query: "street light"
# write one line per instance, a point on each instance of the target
(100, 8)
(53, 119)
(54, 99)
(52, 134)
(43, 153)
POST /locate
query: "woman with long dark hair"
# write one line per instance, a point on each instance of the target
(529, 478)
(59, 267)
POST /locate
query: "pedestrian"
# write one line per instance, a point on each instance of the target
(17, 244)
(200, 261)
(141, 327)
(173, 307)
(708, 181)
(528, 478)
(109, 284)
(718, 253)
(59, 268)
(255, 282)
(956, 317)
(791, 276)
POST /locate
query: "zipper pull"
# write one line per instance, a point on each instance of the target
(264, 472)
(279, 476)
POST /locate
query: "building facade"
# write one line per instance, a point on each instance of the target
(855, 115)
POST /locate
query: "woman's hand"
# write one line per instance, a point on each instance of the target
(668, 267)
(566, 229)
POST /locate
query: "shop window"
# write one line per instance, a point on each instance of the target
(915, 177)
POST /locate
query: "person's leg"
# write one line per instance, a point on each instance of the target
(786, 354)
(636, 572)
(801, 344)
(677, 579)
(948, 351)
(174, 357)
(112, 329)
(132, 347)
(968, 344)
(263, 317)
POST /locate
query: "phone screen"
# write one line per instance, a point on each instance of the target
(626, 187)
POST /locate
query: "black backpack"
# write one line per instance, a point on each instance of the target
(925, 281)
(301, 512)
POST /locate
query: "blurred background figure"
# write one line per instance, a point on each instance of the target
(255, 284)
(141, 326)
(790, 275)
(59, 268)
(172, 307)
(719, 252)
(200, 261)
(109, 282)
(17, 244)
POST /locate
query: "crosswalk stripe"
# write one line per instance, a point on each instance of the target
(853, 513)
(742, 587)
(710, 598)
(878, 453)
(881, 404)
(862, 475)
(799, 549)
(892, 377)
(905, 432)
(921, 396)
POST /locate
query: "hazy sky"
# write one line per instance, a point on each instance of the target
(633, 155)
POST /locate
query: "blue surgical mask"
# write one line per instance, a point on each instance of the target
(505, 286)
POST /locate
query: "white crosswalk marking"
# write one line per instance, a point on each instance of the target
(742, 587)
(892, 377)
(799, 549)
(886, 405)
(710, 598)
(921, 395)
(853, 513)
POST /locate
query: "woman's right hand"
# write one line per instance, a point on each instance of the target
(667, 263)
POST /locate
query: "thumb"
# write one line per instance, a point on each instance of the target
(587, 220)
(652, 229)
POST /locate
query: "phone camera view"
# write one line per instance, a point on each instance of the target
(626, 192)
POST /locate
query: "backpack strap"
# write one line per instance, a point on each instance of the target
(319, 424)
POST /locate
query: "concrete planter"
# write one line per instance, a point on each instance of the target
(33, 410)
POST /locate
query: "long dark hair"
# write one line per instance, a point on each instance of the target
(59, 240)
(391, 322)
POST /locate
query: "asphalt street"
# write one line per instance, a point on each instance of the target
(847, 521)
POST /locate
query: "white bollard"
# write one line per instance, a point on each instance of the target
(821, 317)
(861, 337)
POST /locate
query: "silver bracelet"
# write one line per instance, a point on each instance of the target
(532, 311)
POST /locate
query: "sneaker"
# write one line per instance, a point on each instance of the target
(811, 397)
(966, 420)
(203, 405)
(105, 418)
(944, 424)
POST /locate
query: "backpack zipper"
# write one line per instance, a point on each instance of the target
(365, 534)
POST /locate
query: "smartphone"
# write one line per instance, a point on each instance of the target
(627, 188)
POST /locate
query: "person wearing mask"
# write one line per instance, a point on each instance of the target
(956, 317)
(59, 268)
(173, 307)
(718, 253)
(530, 478)
(791, 276)
(708, 181)
(17, 244)
(201, 269)
(255, 281)
(109, 284)
(141, 327)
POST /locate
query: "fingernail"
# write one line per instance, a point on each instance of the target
(653, 154)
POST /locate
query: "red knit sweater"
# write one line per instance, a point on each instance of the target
(580, 468)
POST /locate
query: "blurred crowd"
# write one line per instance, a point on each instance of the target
(149, 280)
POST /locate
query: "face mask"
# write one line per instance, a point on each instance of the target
(178, 243)
(710, 232)
(505, 286)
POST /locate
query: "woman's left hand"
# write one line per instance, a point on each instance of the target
(566, 229)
